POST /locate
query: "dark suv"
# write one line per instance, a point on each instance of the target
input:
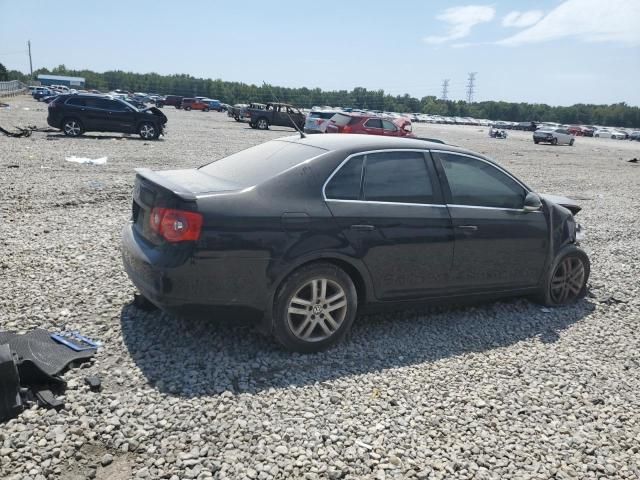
(76, 114)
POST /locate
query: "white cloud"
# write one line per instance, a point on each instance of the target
(522, 19)
(615, 21)
(461, 20)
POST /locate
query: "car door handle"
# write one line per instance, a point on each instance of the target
(471, 228)
(363, 228)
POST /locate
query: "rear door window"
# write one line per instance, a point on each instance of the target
(373, 123)
(346, 183)
(76, 101)
(398, 176)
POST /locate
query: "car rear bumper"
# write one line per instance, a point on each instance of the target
(197, 286)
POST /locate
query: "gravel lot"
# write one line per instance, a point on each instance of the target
(496, 391)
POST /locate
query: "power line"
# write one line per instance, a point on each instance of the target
(471, 86)
(445, 89)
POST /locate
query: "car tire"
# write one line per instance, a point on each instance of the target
(536, 142)
(253, 125)
(148, 131)
(187, 108)
(597, 136)
(72, 127)
(571, 142)
(205, 109)
(554, 141)
(262, 124)
(557, 289)
(306, 301)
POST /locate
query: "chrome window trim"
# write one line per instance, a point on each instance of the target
(337, 169)
(376, 202)
(521, 210)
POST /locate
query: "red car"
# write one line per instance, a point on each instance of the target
(194, 104)
(369, 125)
(576, 130)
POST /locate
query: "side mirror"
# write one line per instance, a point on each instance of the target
(532, 203)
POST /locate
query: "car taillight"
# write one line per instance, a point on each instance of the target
(176, 225)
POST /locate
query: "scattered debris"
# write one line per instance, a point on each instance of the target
(545, 310)
(89, 161)
(4, 105)
(95, 384)
(633, 160)
(22, 132)
(13, 166)
(30, 368)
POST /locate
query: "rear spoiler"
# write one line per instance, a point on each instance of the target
(167, 184)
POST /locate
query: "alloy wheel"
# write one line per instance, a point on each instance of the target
(147, 131)
(262, 124)
(72, 128)
(316, 310)
(567, 281)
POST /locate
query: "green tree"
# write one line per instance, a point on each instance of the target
(4, 75)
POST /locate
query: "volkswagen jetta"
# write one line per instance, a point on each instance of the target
(305, 232)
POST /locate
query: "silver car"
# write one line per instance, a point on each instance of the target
(554, 136)
(317, 121)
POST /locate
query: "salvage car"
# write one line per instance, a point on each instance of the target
(194, 104)
(276, 114)
(369, 125)
(554, 136)
(76, 114)
(352, 223)
(317, 121)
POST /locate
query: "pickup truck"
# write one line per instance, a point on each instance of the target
(278, 114)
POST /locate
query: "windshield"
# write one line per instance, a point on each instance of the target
(248, 167)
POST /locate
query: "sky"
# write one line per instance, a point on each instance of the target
(558, 52)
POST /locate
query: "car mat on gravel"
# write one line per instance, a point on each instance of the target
(40, 358)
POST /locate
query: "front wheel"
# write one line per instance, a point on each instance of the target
(314, 308)
(205, 109)
(187, 108)
(536, 142)
(571, 142)
(148, 131)
(554, 141)
(566, 280)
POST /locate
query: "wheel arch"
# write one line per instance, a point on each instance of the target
(357, 272)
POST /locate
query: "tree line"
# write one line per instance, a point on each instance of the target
(619, 114)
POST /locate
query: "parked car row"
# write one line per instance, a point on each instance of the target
(191, 103)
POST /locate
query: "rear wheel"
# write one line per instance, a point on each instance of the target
(566, 281)
(314, 308)
(571, 142)
(72, 127)
(187, 108)
(262, 124)
(148, 131)
(554, 141)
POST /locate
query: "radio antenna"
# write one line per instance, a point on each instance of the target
(302, 135)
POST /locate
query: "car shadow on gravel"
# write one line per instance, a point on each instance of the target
(190, 358)
(60, 136)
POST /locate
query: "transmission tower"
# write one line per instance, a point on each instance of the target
(445, 89)
(471, 86)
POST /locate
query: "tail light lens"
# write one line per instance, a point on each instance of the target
(176, 225)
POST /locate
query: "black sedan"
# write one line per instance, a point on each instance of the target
(304, 232)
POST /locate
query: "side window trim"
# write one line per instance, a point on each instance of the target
(448, 198)
(431, 169)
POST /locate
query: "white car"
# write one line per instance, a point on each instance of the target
(554, 136)
(607, 133)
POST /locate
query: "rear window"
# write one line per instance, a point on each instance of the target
(250, 166)
(340, 119)
(323, 115)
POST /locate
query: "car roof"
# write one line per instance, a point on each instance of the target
(357, 142)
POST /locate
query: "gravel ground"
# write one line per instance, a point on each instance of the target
(495, 391)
